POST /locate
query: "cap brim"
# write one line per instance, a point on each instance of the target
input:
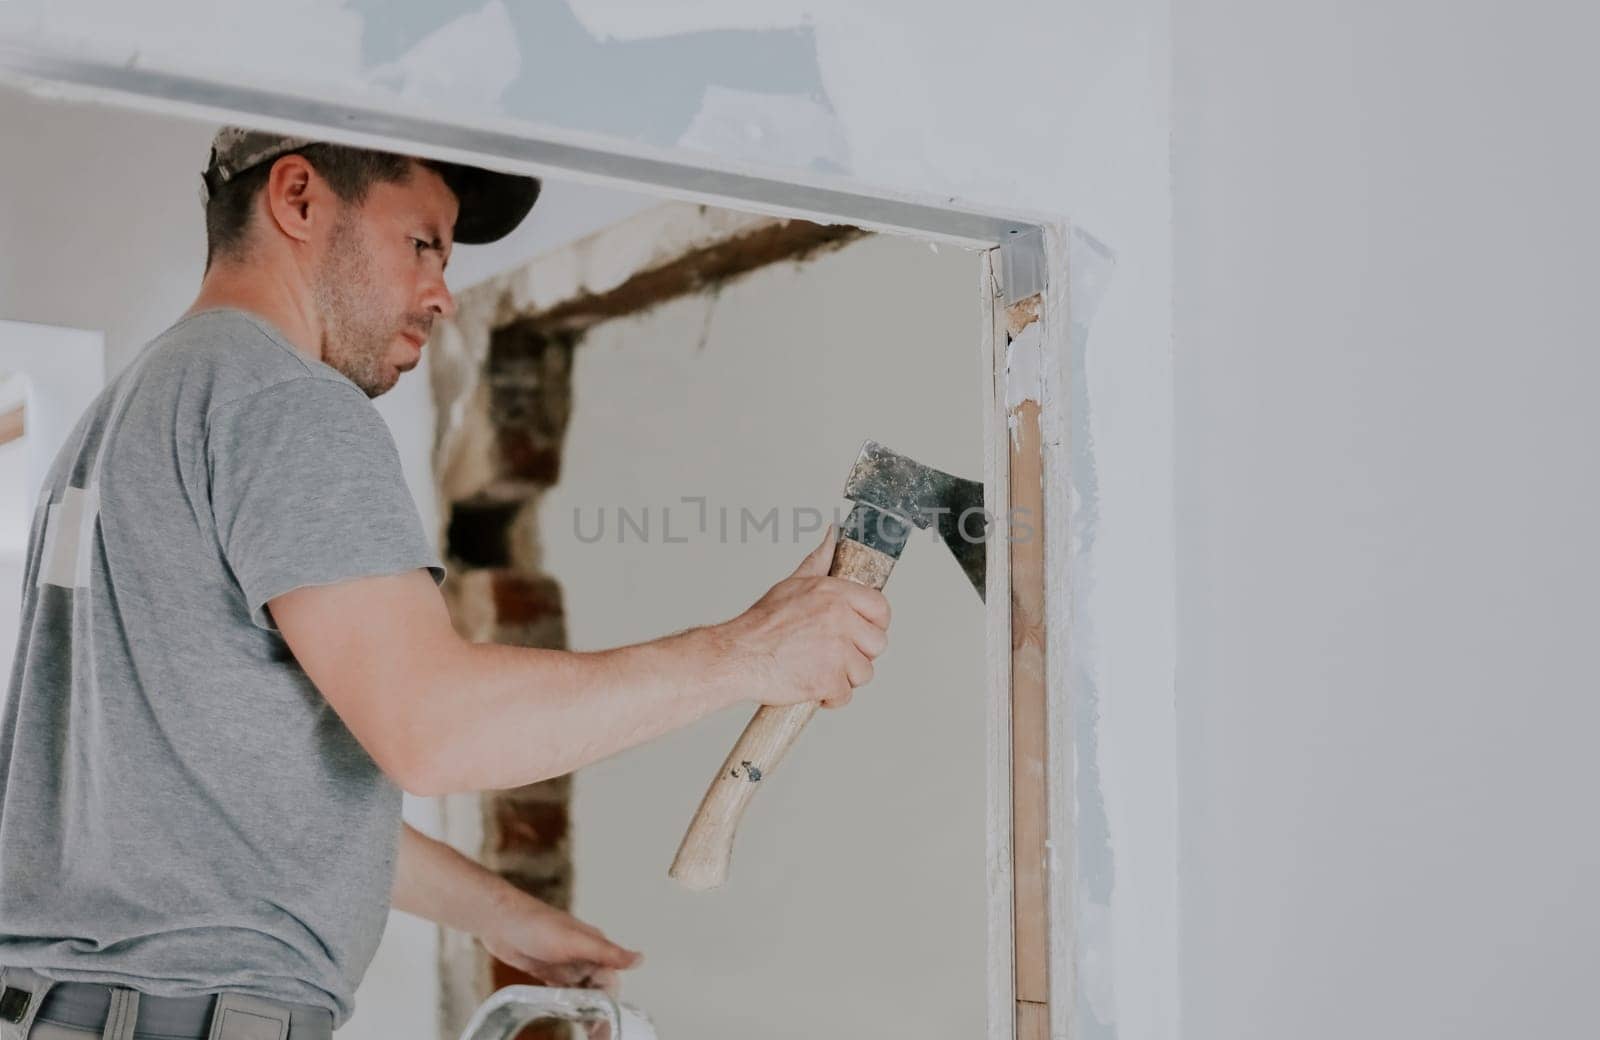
(491, 204)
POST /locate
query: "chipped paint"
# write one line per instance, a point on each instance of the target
(1023, 367)
(470, 61)
(1090, 264)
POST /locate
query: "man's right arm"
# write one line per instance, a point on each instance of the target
(441, 715)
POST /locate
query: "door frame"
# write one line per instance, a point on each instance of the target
(1023, 374)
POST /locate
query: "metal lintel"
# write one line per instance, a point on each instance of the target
(1022, 263)
(541, 151)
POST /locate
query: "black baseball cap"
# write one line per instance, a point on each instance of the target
(492, 204)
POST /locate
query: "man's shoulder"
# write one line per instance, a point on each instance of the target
(230, 356)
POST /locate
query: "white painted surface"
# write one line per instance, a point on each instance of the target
(55, 372)
(63, 369)
(856, 899)
(1388, 501)
(16, 516)
(16, 498)
(69, 530)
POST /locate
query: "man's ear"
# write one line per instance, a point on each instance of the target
(296, 197)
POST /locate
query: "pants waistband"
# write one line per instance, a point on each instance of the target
(87, 1005)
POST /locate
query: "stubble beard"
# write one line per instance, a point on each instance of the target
(356, 334)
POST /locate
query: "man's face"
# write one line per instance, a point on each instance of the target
(380, 283)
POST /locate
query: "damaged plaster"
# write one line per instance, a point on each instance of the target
(754, 92)
(1091, 264)
(741, 91)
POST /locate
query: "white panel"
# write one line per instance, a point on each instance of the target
(65, 369)
(68, 539)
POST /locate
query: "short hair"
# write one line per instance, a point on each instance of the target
(350, 172)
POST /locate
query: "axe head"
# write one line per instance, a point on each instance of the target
(893, 490)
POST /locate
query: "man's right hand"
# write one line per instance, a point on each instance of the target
(811, 637)
(440, 715)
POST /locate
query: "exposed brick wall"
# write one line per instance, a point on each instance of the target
(506, 454)
(501, 376)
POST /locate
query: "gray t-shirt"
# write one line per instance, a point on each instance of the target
(180, 810)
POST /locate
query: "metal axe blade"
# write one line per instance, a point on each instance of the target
(923, 496)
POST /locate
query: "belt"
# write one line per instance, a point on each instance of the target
(26, 995)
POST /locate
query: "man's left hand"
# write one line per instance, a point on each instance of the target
(551, 945)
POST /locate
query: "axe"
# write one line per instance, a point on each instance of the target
(892, 494)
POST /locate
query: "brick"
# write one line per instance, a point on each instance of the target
(524, 599)
(504, 452)
(479, 532)
(523, 344)
(529, 376)
(538, 866)
(528, 825)
(550, 634)
(527, 457)
(555, 889)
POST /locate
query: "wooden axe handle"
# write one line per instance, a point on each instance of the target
(702, 860)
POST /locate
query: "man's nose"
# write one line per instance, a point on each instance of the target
(438, 299)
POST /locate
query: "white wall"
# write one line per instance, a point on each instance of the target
(15, 519)
(53, 372)
(1387, 502)
(856, 900)
(100, 219)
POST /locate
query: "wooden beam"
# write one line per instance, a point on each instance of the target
(1030, 801)
(695, 271)
(12, 424)
(1033, 1020)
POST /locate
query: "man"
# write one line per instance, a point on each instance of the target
(234, 656)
